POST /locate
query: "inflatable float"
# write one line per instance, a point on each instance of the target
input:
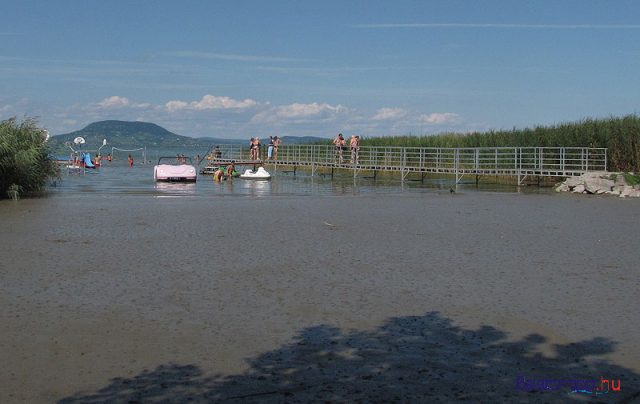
(260, 174)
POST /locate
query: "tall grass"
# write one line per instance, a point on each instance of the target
(24, 162)
(621, 136)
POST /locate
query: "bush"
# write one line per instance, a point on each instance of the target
(631, 179)
(24, 162)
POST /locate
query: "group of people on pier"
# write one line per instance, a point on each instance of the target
(272, 148)
(341, 146)
(255, 149)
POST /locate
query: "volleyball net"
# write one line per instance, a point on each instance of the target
(139, 153)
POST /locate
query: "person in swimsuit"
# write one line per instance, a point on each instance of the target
(354, 143)
(340, 144)
(218, 174)
(276, 142)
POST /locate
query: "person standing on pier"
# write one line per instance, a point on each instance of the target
(251, 148)
(276, 142)
(130, 159)
(340, 144)
(254, 147)
(270, 148)
(354, 143)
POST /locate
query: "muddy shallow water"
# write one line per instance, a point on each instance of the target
(116, 289)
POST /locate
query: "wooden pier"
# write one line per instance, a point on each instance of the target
(518, 162)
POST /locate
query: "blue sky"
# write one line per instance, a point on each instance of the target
(239, 69)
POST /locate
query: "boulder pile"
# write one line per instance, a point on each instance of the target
(599, 183)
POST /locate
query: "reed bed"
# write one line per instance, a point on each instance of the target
(621, 136)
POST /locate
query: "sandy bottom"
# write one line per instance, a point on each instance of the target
(372, 298)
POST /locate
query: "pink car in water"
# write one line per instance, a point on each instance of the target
(174, 169)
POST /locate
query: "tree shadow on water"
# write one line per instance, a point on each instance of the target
(407, 359)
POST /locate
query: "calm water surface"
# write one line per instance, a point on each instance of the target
(117, 178)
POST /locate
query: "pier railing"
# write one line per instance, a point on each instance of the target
(512, 161)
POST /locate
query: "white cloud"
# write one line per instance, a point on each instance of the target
(213, 102)
(173, 106)
(304, 110)
(115, 101)
(210, 102)
(439, 118)
(384, 114)
(298, 111)
(15, 106)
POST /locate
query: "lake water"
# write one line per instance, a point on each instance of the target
(114, 281)
(117, 177)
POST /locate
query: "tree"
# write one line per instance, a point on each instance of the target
(25, 164)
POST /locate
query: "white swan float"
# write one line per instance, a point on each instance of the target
(260, 174)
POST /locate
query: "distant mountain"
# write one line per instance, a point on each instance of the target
(129, 135)
(126, 135)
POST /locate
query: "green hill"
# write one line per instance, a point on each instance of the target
(125, 135)
(131, 135)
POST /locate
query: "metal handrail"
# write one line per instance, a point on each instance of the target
(499, 160)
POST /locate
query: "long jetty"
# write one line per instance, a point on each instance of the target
(517, 162)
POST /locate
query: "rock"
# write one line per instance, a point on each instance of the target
(626, 191)
(600, 183)
(578, 189)
(574, 181)
(597, 185)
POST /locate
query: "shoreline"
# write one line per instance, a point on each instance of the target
(99, 291)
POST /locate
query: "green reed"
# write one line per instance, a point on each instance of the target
(621, 136)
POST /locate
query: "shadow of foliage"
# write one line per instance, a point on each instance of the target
(408, 359)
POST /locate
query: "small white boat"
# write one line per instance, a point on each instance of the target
(260, 174)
